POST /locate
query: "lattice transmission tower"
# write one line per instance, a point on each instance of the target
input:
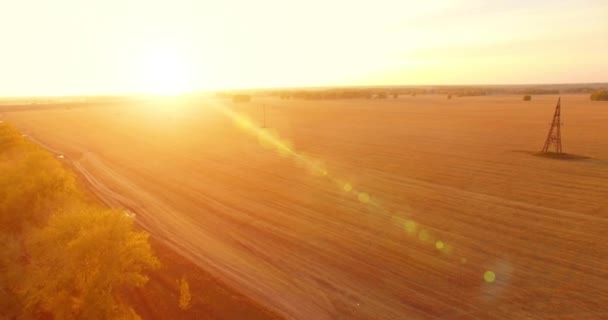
(554, 138)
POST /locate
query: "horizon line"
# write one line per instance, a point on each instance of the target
(303, 87)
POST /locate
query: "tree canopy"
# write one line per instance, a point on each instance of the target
(599, 95)
(61, 254)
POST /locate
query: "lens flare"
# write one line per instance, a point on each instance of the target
(424, 235)
(489, 276)
(410, 227)
(270, 139)
(363, 197)
(439, 245)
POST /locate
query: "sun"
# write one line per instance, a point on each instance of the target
(165, 71)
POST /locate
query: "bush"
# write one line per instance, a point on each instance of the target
(599, 95)
(527, 98)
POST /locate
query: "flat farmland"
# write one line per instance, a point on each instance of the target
(410, 208)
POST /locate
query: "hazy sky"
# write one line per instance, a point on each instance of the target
(113, 46)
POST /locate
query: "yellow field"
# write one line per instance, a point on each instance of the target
(414, 208)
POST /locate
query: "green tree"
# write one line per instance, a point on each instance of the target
(80, 261)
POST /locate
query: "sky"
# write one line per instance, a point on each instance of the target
(74, 47)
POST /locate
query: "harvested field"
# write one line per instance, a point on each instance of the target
(416, 208)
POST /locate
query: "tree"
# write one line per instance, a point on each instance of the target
(59, 255)
(9, 138)
(32, 182)
(80, 260)
(10, 275)
(527, 98)
(34, 187)
(599, 95)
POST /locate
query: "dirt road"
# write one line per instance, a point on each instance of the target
(415, 208)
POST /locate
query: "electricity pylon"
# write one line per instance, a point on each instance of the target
(555, 134)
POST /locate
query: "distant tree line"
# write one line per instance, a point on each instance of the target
(62, 256)
(464, 92)
(374, 93)
(241, 98)
(578, 90)
(350, 93)
(536, 91)
(398, 91)
(330, 94)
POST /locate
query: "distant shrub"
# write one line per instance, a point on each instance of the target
(449, 96)
(527, 98)
(599, 95)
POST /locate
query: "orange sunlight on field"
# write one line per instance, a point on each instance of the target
(398, 207)
(306, 159)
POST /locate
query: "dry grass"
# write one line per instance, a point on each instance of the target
(295, 240)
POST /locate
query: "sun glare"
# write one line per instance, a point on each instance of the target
(165, 71)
